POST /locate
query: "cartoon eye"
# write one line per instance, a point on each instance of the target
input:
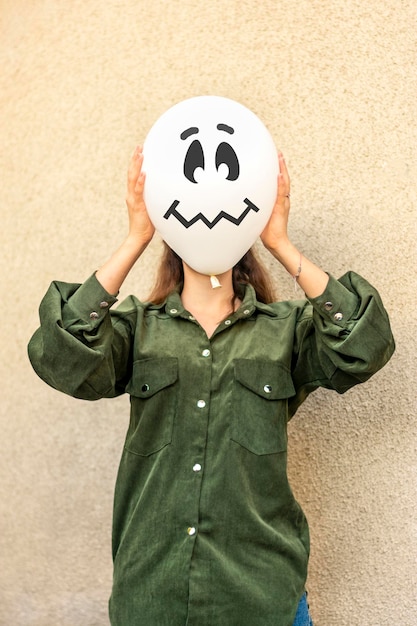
(193, 160)
(225, 154)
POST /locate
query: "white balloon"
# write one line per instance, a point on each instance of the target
(211, 180)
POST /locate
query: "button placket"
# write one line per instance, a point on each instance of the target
(203, 351)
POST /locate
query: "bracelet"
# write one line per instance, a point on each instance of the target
(297, 275)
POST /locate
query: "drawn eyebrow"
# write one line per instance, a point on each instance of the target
(188, 132)
(225, 127)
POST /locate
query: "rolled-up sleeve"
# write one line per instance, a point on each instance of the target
(78, 348)
(343, 338)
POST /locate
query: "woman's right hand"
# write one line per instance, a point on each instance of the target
(141, 229)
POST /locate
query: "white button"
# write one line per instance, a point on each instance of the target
(104, 304)
(338, 317)
(206, 352)
(94, 315)
(191, 317)
(267, 388)
(328, 305)
(227, 322)
(173, 311)
(201, 404)
(246, 311)
(191, 530)
(197, 467)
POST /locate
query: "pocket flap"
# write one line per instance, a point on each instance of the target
(267, 379)
(151, 375)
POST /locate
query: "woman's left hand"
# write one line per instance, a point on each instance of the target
(309, 276)
(275, 232)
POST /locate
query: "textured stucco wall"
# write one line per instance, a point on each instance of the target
(80, 84)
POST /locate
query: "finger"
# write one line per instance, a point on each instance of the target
(283, 167)
(283, 178)
(135, 167)
(140, 182)
(136, 154)
(283, 187)
(282, 164)
(137, 151)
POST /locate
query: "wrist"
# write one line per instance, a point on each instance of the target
(135, 244)
(289, 257)
(113, 273)
(283, 250)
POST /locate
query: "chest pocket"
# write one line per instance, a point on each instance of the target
(153, 405)
(260, 396)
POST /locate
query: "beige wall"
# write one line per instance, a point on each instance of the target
(80, 84)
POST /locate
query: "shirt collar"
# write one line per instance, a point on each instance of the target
(249, 305)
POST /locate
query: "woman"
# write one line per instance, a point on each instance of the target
(206, 530)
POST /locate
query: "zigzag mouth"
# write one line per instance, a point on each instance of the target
(250, 206)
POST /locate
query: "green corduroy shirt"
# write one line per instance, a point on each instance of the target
(206, 530)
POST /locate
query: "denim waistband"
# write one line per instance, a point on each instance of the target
(302, 617)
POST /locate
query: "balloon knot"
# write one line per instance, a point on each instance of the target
(215, 282)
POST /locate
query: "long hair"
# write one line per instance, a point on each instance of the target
(249, 270)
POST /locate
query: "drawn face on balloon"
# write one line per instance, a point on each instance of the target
(211, 180)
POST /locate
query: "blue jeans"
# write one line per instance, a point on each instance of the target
(302, 617)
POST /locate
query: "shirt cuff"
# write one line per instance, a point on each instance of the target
(336, 304)
(91, 301)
